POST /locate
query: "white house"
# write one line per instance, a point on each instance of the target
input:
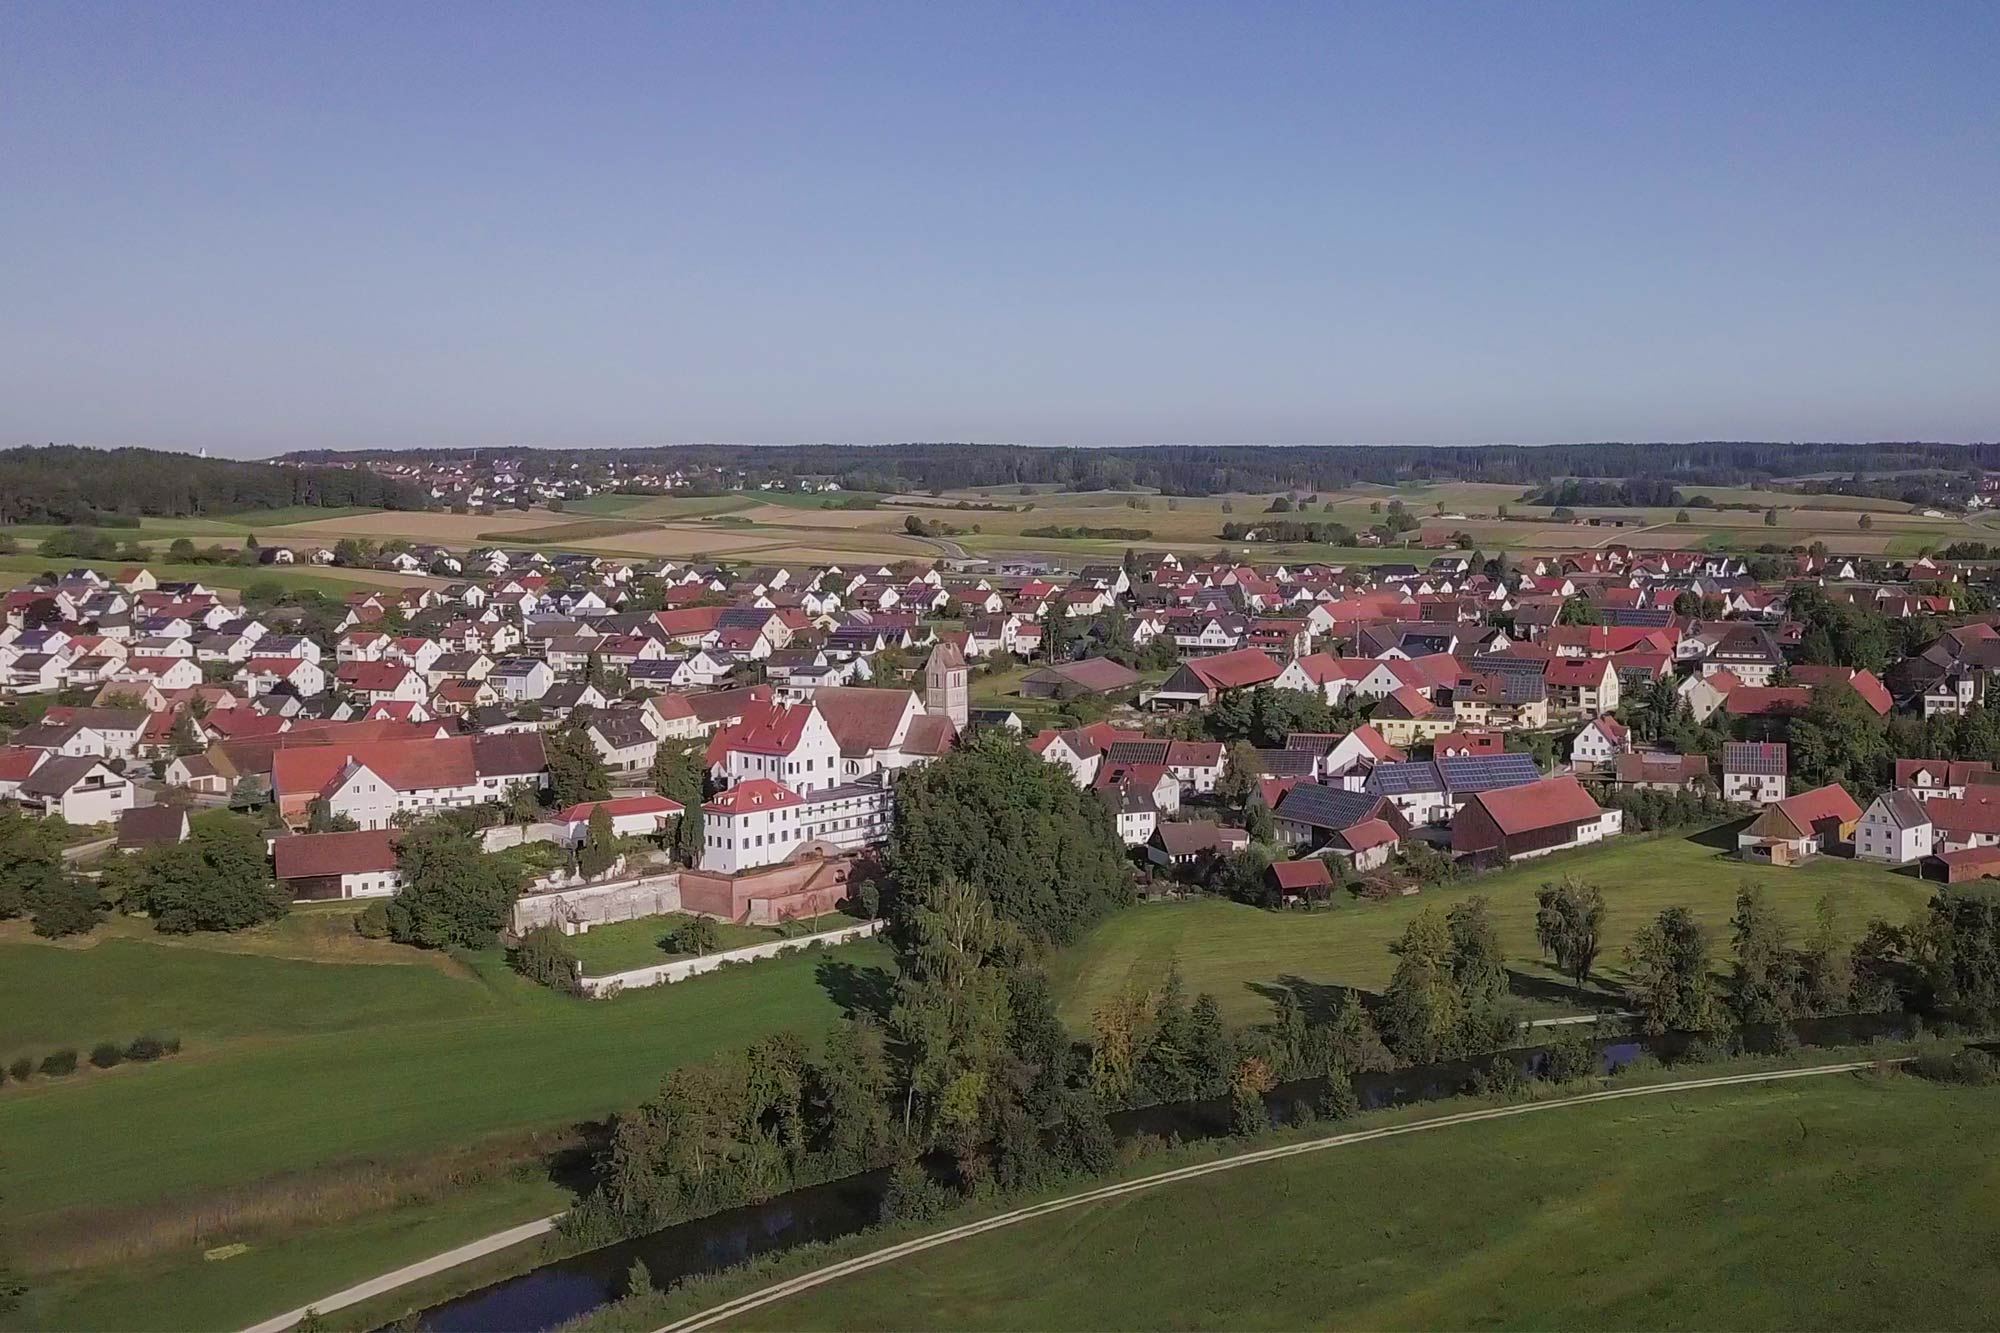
(631, 817)
(1895, 830)
(521, 679)
(1602, 740)
(758, 822)
(788, 743)
(80, 788)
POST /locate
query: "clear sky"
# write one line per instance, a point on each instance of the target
(256, 227)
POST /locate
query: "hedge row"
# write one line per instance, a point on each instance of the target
(103, 1055)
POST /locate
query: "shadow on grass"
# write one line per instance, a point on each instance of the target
(1318, 1000)
(857, 990)
(1722, 837)
(1550, 988)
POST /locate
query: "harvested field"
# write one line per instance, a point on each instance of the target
(445, 529)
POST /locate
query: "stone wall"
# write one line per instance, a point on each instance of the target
(574, 911)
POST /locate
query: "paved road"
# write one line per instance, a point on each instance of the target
(91, 848)
(437, 1263)
(833, 1272)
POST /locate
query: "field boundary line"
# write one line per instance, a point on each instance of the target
(874, 1259)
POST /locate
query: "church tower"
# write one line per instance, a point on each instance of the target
(945, 685)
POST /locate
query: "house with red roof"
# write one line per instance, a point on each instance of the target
(1200, 682)
(788, 743)
(1798, 827)
(1534, 819)
(631, 817)
(757, 822)
(357, 864)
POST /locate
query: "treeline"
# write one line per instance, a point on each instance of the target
(1192, 470)
(1290, 530)
(1102, 534)
(63, 484)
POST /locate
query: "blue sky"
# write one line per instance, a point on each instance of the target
(263, 227)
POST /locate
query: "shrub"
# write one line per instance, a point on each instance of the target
(1500, 1078)
(1974, 1069)
(21, 1069)
(544, 957)
(58, 1063)
(106, 1054)
(913, 1196)
(145, 1047)
(1571, 1056)
(373, 921)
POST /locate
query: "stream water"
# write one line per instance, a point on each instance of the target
(562, 1289)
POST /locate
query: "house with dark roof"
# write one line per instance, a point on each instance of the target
(152, 826)
(1312, 816)
(1895, 829)
(1753, 772)
(1183, 842)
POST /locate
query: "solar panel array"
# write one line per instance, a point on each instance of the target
(1326, 807)
(1137, 752)
(1488, 772)
(1405, 779)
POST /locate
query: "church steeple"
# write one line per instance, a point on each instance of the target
(946, 685)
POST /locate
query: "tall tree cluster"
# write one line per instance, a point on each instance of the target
(1043, 853)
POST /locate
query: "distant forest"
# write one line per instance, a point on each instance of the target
(61, 484)
(1202, 470)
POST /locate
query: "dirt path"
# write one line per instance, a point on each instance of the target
(779, 1291)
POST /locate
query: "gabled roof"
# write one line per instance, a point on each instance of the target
(753, 794)
(619, 806)
(1537, 805)
(1235, 670)
(1762, 759)
(309, 855)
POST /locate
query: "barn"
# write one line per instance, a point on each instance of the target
(1534, 819)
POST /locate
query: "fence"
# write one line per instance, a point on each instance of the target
(665, 974)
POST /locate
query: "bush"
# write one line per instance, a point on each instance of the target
(21, 1069)
(373, 921)
(1500, 1078)
(145, 1047)
(913, 1196)
(58, 1063)
(544, 957)
(106, 1054)
(1973, 1069)
(1571, 1056)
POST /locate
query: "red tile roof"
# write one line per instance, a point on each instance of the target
(622, 805)
(1234, 671)
(312, 854)
(1537, 805)
(753, 794)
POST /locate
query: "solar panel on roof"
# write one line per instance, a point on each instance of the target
(1416, 775)
(1326, 807)
(1487, 772)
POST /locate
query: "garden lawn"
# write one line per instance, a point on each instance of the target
(1827, 1203)
(626, 945)
(1243, 954)
(292, 1065)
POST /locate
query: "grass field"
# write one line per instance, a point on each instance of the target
(625, 945)
(304, 1071)
(1843, 1202)
(18, 569)
(1243, 954)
